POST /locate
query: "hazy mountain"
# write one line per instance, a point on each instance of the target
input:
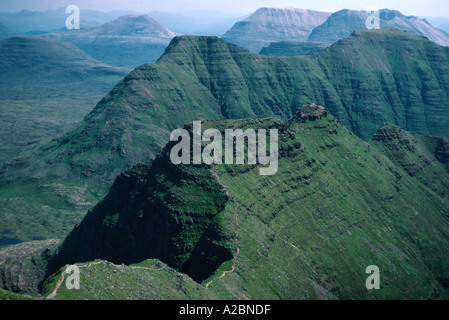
(372, 77)
(128, 41)
(293, 48)
(203, 23)
(5, 32)
(50, 20)
(441, 23)
(336, 205)
(342, 23)
(40, 80)
(268, 25)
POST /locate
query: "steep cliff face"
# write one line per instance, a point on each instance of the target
(365, 80)
(268, 25)
(421, 157)
(155, 210)
(342, 23)
(23, 266)
(336, 205)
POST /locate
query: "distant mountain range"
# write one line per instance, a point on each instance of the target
(127, 42)
(268, 25)
(289, 24)
(342, 23)
(201, 23)
(34, 22)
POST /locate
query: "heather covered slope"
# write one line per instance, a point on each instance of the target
(342, 23)
(365, 80)
(336, 205)
(268, 25)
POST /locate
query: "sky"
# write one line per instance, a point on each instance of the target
(437, 8)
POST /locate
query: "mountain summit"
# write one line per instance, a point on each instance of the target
(268, 25)
(130, 25)
(342, 23)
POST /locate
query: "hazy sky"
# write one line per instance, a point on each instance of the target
(408, 7)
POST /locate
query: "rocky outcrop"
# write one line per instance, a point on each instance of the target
(442, 151)
(23, 266)
(310, 112)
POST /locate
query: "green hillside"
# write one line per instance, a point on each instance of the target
(46, 88)
(365, 80)
(336, 205)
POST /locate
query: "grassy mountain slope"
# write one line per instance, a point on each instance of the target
(336, 205)
(39, 82)
(46, 88)
(365, 80)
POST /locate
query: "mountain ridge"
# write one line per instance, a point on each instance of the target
(300, 210)
(206, 78)
(346, 21)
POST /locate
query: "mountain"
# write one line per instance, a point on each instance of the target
(128, 41)
(342, 23)
(46, 88)
(336, 205)
(268, 25)
(441, 23)
(202, 23)
(372, 77)
(293, 48)
(26, 21)
(39, 80)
